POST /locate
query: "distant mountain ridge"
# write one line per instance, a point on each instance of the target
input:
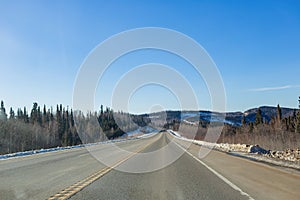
(233, 118)
(268, 112)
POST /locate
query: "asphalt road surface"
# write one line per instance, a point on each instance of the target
(218, 176)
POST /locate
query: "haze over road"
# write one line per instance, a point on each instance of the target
(42, 176)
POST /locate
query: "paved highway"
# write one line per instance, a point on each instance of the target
(218, 176)
(40, 176)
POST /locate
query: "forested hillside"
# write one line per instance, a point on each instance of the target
(279, 132)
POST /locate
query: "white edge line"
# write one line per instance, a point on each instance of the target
(235, 187)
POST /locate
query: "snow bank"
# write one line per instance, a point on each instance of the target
(188, 122)
(33, 152)
(234, 147)
(174, 133)
(287, 158)
(292, 155)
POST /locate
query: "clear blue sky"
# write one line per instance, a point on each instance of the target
(255, 44)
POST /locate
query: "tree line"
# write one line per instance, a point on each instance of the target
(279, 133)
(43, 127)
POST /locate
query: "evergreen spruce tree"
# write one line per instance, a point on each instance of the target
(20, 114)
(34, 113)
(3, 115)
(51, 115)
(72, 119)
(45, 117)
(59, 122)
(101, 110)
(259, 118)
(66, 135)
(279, 113)
(11, 114)
(25, 116)
(279, 118)
(39, 116)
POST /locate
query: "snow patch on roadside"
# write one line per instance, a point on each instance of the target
(33, 152)
(288, 158)
(55, 149)
(174, 133)
(190, 123)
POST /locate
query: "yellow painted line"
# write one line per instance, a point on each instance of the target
(78, 186)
